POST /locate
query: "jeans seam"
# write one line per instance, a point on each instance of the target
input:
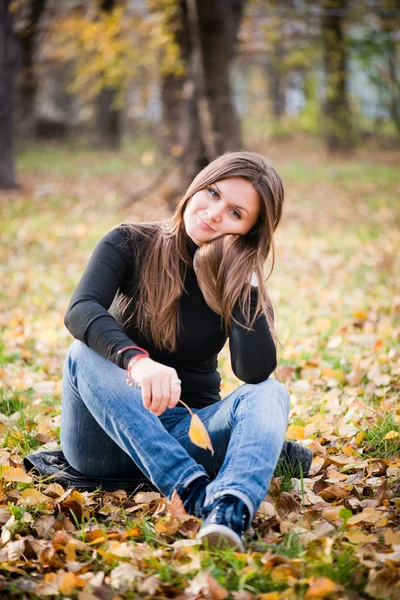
(240, 429)
(155, 467)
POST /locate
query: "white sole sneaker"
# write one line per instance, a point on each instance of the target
(220, 536)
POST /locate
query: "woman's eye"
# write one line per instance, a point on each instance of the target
(236, 213)
(213, 192)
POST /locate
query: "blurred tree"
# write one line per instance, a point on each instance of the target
(283, 38)
(377, 51)
(108, 111)
(338, 123)
(9, 62)
(199, 115)
(27, 84)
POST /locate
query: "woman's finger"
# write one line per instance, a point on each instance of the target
(166, 394)
(175, 393)
(156, 396)
(146, 393)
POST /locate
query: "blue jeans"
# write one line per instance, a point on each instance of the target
(107, 432)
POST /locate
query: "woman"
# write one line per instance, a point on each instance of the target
(153, 309)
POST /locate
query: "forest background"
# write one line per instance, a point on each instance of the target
(107, 111)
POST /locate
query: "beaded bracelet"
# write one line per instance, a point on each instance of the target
(129, 380)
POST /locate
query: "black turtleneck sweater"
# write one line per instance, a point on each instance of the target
(94, 318)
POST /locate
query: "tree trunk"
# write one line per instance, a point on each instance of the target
(217, 23)
(390, 27)
(28, 83)
(108, 120)
(9, 62)
(108, 116)
(180, 120)
(338, 126)
(276, 87)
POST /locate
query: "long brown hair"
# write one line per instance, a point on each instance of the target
(166, 257)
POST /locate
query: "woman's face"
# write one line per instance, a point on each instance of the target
(224, 207)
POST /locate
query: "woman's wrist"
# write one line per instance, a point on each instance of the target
(129, 378)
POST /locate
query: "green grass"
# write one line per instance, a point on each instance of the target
(376, 445)
(76, 157)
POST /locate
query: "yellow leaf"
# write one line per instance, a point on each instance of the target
(15, 474)
(337, 374)
(391, 435)
(356, 536)
(33, 497)
(360, 315)
(198, 434)
(295, 432)
(360, 437)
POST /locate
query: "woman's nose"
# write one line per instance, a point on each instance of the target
(214, 213)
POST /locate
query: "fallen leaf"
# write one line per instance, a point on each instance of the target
(15, 474)
(205, 586)
(198, 434)
(391, 435)
(321, 587)
(295, 432)
(368, 515)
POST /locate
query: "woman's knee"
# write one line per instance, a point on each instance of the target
(271, 388)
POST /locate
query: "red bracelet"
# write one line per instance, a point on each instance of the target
(133, 360)
(133, 348)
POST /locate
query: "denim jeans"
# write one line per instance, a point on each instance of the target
(107, 432)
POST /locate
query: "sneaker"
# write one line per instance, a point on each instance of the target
(295, 458)
(193, 496)
(225, 522)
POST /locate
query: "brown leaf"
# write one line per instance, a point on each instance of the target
(383, 583)
(205, 586)
(176, 508)
(334, 492)
(287, 504)
(44, 524)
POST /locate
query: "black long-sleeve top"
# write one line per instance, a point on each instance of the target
(94, 318)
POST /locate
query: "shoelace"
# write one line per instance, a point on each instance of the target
(230, 511)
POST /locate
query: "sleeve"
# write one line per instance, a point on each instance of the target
(253, 352)
(87, 317)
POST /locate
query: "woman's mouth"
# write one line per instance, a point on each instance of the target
(203, 224)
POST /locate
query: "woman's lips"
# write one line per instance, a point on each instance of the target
(204, 225)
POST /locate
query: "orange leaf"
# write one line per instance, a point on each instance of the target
(321, 587)
(198, 434)
(69, 582)
(295, 432)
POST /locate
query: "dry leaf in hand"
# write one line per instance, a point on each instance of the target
(198, 434)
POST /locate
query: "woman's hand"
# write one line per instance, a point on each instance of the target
(160, 385)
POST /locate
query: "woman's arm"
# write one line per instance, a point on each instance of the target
(253, 352)
(87, 317)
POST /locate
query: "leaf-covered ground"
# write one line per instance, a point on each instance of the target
(334, 535)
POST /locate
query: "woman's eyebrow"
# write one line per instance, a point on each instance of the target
(235, 205)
